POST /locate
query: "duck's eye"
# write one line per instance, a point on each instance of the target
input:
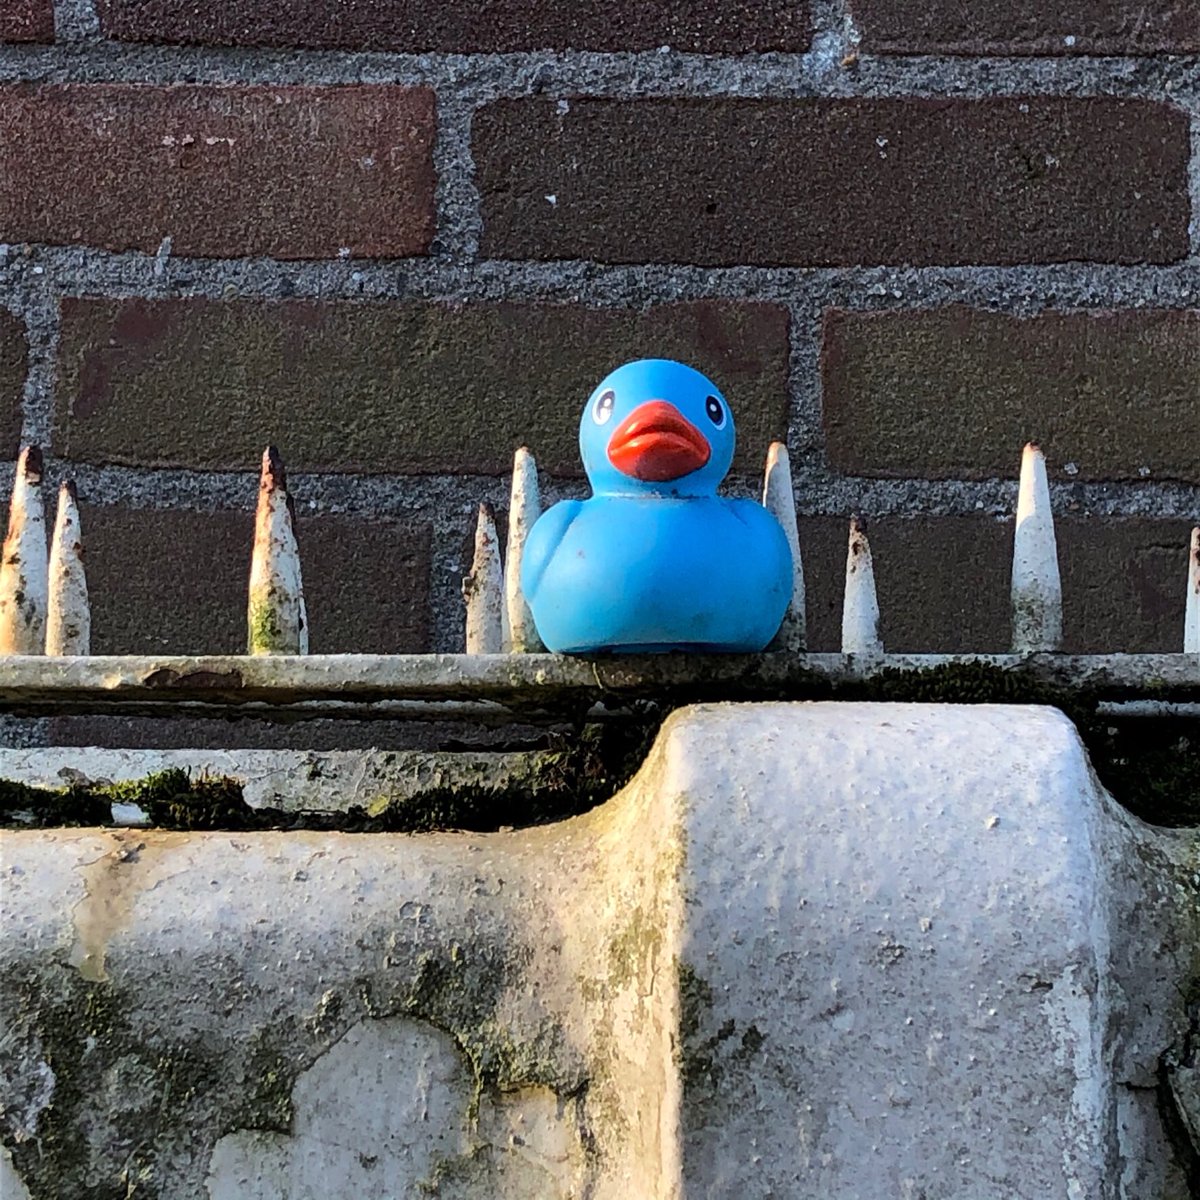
(716, 411)
(603, 408)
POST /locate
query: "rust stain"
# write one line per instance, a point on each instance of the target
(164, 678)
(168, 677)
(113, 882)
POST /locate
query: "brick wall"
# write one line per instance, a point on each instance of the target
(400, 239)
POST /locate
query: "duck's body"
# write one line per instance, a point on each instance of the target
(631, 574)
(655, 560)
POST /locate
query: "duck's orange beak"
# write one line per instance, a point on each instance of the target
(657, 443)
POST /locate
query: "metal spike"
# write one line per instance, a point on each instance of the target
(1037, 619)
(860, 605)
(1191, 620)
(276, 619)
(779, 499)
(68, 612)
(483, 589)
(24, 569)
(524, 509)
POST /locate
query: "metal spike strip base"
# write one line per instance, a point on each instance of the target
(498, 686)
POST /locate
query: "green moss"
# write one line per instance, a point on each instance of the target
(574, 774)
(84, 1037)
(266, 1102)
(457, 990)
(159, 1087)
(174, 800)
(266, 636)
(22, 806)
(171, 800)
(468, 1174)
(639, 943)
(715, 1055)
(695, 1049)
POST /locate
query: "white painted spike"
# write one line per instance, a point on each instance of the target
(68, 612)
(276, 620)
(1037, 619)
(1191, 620)
(524, 509)
(779, 500)
(860, 604)
(483, 589)
(24, 569)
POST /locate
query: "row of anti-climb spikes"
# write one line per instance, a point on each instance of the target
(498, 619)
(44, 599)
(44, 604)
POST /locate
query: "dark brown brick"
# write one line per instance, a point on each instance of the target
(1124, 584)
(1002, 27)
(165, 582)
(27, 21)
(943, 583)
(834, 182)
(293, 172)
(956, 392)
(462, 26)
(369, 387)
(14, 355)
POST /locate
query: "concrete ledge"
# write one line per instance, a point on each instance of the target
(812, 950)
(289, 780)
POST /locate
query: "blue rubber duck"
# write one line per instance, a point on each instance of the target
(655, 560)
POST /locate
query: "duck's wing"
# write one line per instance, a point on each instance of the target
(544, 539)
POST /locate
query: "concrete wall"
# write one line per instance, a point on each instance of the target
(812, 950)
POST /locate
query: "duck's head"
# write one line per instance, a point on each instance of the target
(658, 427)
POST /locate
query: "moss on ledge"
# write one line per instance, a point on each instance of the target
(170, 799)
(573, 774)
(1151, 765)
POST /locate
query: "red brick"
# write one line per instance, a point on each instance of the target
(834, 182)
(27, 21)
(463, 26)
(1003, 27)
(14, 356)
(956, 392)
(166, 582)
(294, 172)
(420, 387)
(943, 583)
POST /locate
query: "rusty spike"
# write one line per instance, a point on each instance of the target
(860, 604)
(68, 613)
(779, 499)
(524, 509)
(483, 588)
(24, 569)
(277, 622)
(1037, 619)
(1191, 620)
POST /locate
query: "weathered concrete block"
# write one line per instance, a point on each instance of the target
(812, 950)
